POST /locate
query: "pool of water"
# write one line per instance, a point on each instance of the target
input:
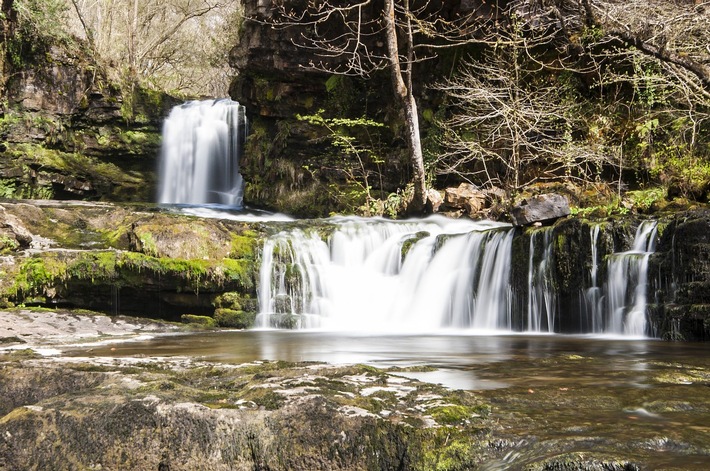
(641, 399)
(472, 362)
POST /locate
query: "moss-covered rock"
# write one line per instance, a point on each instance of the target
(236, 319)
(202, 321)
(115, 259)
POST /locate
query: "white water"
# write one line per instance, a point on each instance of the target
(627, 282)
(593, 294)
(542, 298)
(199, 161)
(455, 275)
(353, 274)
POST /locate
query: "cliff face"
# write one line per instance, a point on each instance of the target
(67, 132)
(290, 164)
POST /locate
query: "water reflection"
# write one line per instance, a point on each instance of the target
(463, 361)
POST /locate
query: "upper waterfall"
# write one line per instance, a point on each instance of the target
(199, 161)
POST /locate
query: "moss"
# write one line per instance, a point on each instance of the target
(8, 245)
(18, 355)
(231, 318)
(230, 300)
(244, 245)
(38, 273)
(455, 414)
(202, 321)
(411, 241)
(447, 449)
(264, 397)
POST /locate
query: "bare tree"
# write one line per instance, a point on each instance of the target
(509, 130)
(176, 45)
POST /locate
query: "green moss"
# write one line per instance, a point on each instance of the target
(448, 449)
(264, 397)
(455, 414)
(411, 240)
(231, 300)
(244, 245)
(236, 319)
(38, 273)
(202, 321)
(8, 244)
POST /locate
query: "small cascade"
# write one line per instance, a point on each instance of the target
(627, 283)
(388, 276)
(542, 297)
(593, 295)
(199, 162)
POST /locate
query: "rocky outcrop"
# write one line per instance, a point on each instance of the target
(124, 261)
(680, 277)
(263, 415)
(66, 131)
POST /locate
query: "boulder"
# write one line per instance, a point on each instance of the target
(434, 200)
(467, 197)
(540, 208)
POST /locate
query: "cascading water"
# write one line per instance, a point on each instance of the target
(593, 294)
(199, 161)
(627, 282)
(390, 276)
(541, 292)
(362, 275)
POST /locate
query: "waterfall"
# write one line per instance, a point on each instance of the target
(593, 294)
(627, 283)
(388, 276)
(542, 298)
(199, 162)
(357, 274)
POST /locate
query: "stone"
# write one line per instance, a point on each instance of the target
(434, 200)
(541, 208)
(467, 197)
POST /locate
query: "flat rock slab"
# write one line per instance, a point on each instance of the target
(540, 208)
(29, 328)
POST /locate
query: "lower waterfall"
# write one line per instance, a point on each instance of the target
(388, 276)
(356, 274)
(626, 284)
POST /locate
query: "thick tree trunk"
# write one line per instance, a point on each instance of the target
(409, 105)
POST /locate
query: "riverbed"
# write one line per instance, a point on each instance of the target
(579, 394)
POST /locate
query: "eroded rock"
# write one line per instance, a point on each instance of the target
(541, 208)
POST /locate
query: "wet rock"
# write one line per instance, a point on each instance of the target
(541, 208)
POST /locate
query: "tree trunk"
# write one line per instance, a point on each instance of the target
(409, 105)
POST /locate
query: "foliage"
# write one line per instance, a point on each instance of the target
(644, 200)
(40, 24)
(341, 132)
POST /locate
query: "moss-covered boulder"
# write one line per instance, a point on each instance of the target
(122, 260)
